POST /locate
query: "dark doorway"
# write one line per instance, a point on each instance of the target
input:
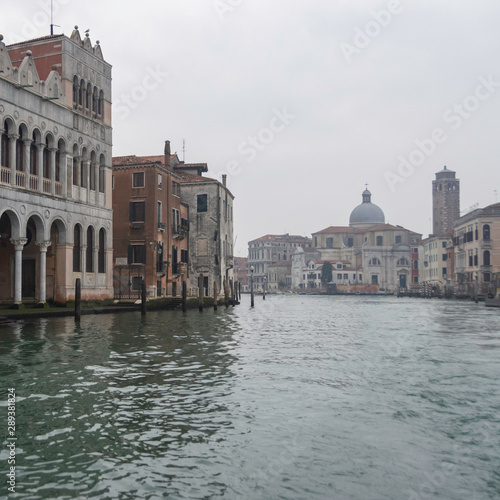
(402, 280)
(29, 278)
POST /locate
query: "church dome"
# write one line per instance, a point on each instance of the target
(367, 214)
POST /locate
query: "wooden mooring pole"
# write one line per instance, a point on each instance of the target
(143, 298)
(78, 299)
(184, 296)
(200, 292)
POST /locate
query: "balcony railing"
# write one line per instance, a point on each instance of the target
(33, 182)
(20, 179)
(5, 175)
(30, 182)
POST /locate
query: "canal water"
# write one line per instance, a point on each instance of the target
(302, 397)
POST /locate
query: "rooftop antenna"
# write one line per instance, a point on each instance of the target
(52, 18)
(183, 150)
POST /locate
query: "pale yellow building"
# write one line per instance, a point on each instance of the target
(477, 251)
(433, 267)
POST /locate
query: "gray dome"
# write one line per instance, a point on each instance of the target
(366, 214)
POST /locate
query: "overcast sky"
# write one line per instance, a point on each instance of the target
(301, 103)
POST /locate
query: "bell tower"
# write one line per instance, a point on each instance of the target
(445, 201)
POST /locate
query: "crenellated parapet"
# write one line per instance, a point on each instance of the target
(86, 43)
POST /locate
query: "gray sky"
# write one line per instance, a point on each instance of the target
(301, 103)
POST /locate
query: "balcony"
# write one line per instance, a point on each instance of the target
(30, 182)
(486, 243)
(161, 226)
(179, 231)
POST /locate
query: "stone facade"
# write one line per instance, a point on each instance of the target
(210, 229)
(433, 256)
(55, 171)
(445, 201)
(378, 254)
(270, 249)
(477, 251)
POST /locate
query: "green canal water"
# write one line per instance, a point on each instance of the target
(299, 398)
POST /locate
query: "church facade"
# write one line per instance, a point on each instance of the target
(368, 254)
(55, 170)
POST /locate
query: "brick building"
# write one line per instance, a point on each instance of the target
(151, 226)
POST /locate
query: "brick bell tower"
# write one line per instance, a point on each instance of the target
(445, 201)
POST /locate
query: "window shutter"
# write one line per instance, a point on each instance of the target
(130, 254)
(131, 211)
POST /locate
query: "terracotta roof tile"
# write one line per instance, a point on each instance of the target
(283, 238)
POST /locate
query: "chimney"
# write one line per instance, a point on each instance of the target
(224, 177)
(167, 154)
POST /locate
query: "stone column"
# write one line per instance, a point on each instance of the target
(96, 265)
(39, 165)
(65, 161)
(43, 270)
(12, 154)
(52, 170)
(87, 178)
(18, 268)
(83, 260)
(26, 165)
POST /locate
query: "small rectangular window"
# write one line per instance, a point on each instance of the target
(138, 179)
(176, 188)
(160, 181)
(137, 211)
(137, 254)
(374, 279)
(202, 203)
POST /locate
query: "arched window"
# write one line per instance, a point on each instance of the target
(486, 258)
(403, 261)
(486, 232)
(89, 256)
(77, 249)
(92, 170)
(415, 265)
(5, 146)
(75, 90)
(81, 93)
(46, 160)
(102, 178)
(95, 98)
(100, 107)
(33, 156)
(374, 262)
(89, 96)
(101, 261)
(19, 153)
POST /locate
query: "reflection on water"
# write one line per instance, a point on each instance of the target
(301, 397)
